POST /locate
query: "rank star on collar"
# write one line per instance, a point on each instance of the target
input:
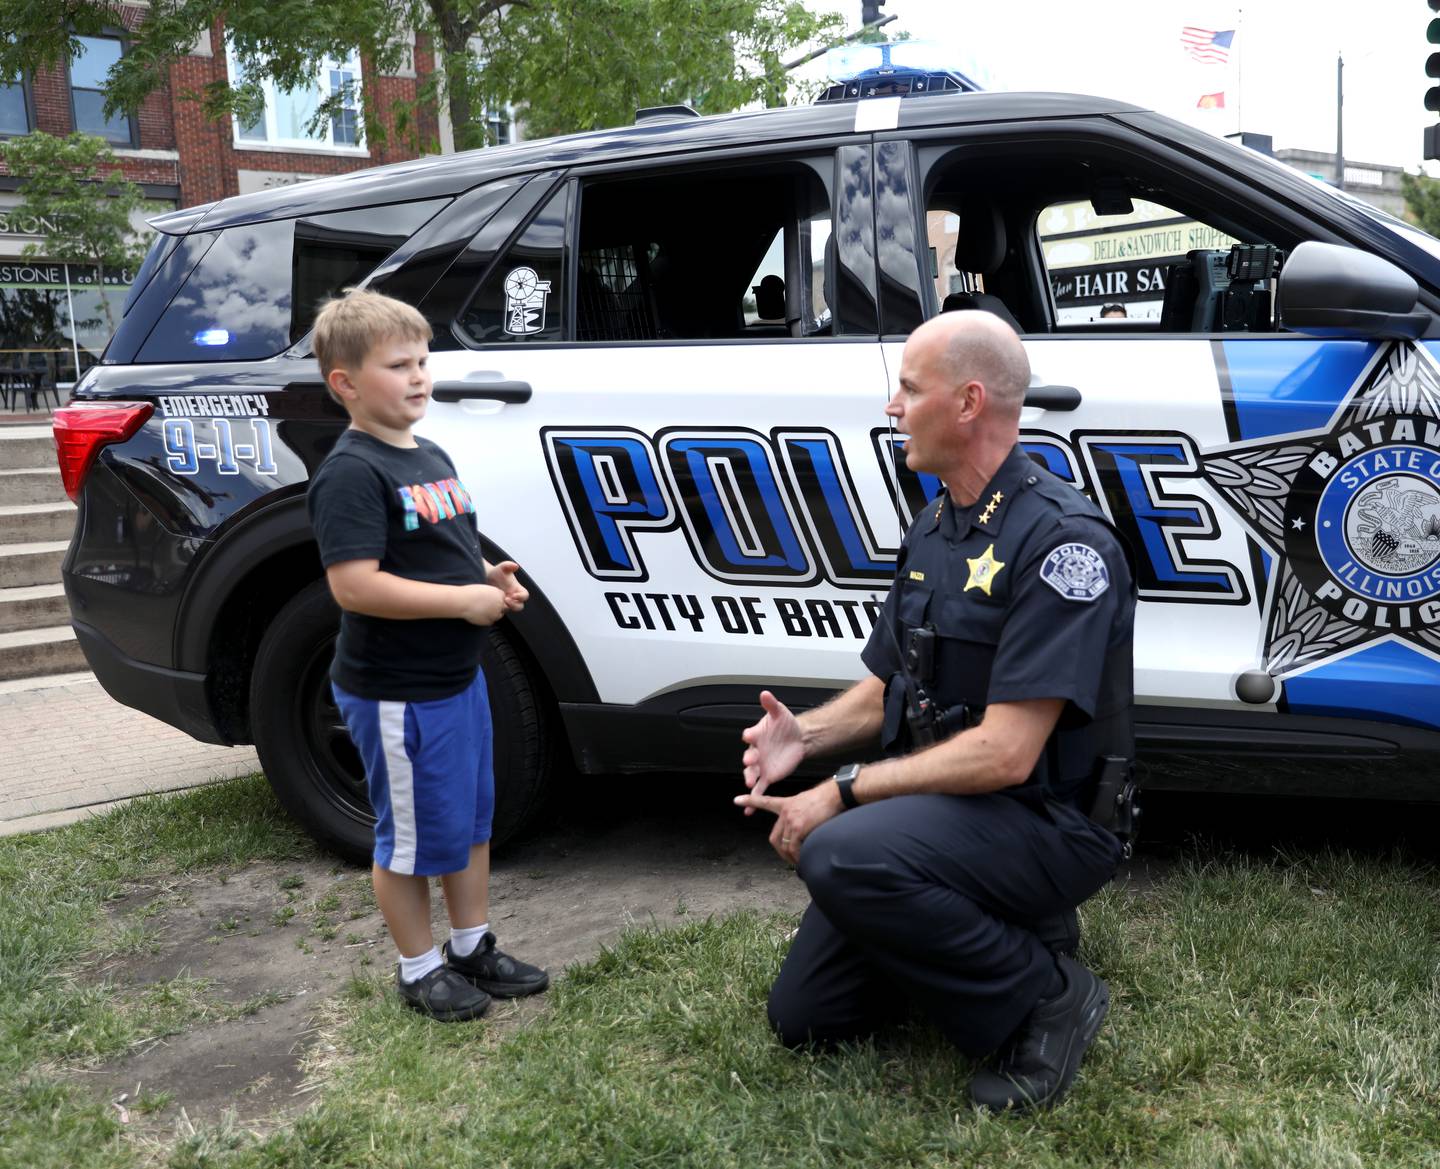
(990, 507)
(1351, 512)
(983, 570)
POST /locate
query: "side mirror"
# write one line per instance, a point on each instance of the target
(1331, 291)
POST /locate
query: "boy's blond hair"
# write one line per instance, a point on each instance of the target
(349, 326)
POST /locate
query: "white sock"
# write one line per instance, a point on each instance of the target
(421, 965)
(463, 942)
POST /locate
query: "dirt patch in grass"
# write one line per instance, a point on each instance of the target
(269, 942)
(274, 943)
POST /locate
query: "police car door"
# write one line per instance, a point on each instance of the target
(1134, 411)
(685, 466)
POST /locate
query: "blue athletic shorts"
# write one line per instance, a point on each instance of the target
(428, 767)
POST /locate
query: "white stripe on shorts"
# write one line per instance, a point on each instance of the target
(402, 785)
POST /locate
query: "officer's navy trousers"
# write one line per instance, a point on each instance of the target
(925, 899)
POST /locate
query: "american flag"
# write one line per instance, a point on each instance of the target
(1207, 45)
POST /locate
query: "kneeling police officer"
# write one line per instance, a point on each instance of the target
(1000, 690)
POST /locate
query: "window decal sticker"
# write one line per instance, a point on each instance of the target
(525, 298)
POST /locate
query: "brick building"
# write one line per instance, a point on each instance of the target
(51, 315)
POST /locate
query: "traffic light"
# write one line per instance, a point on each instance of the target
(1432, 62)
(1432, 70)
(870, 12)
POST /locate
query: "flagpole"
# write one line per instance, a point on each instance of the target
(1340, 121)
(1240, 71)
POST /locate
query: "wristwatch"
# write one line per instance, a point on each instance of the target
(845, 781)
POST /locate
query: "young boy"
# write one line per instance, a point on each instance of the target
(398, 540)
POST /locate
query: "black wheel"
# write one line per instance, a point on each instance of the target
(313, 766)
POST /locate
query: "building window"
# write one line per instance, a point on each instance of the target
(88, 69)
(499, 126)
(288, 111)
(14, 110)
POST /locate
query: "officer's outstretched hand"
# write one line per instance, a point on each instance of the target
(796, 816)
(774, 747)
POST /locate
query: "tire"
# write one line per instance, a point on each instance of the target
(314, 768)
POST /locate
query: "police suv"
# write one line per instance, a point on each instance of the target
(661, 356)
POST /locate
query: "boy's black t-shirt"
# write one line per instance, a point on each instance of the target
(405, 508)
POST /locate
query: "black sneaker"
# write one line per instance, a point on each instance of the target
(443, 994)
(1037, 1066)
(497, 972)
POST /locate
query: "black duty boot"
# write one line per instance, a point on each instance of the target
(1035, 1069)
(496, 972)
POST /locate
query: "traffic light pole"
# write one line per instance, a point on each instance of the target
(845, 40)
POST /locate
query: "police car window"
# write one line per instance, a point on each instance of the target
(765, 306)
(1070, 238)
(1113, 268)
(717, 254)
(258, 288)
(522, 295)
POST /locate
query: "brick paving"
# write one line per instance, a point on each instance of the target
(68, 750)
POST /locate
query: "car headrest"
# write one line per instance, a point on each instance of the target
(980, 246)
(770, 298)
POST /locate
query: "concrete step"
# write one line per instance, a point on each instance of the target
(31, 485)
(29, 522)
(31, 653)
(26, 446)
(35, 563)
(33, 607)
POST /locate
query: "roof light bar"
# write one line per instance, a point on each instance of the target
(904, 69)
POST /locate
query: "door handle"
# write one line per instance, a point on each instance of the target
(491, 391)
(1053, 397)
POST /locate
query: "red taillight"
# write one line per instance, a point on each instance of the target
(82, 428)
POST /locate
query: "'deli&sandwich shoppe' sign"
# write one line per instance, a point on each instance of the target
(1097, 260)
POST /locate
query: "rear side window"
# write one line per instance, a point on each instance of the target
(734, 253)
(522, 297)
(161, 249)
(258, 288)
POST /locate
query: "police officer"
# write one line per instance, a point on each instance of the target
(1006, 638)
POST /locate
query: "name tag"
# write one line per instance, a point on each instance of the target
(916, 575)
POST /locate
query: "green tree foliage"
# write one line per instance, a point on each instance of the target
(1422, 200)
(584, 64)
(61, 179)
(569, 64)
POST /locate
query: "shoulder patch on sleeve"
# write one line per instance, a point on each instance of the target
(1076, 571)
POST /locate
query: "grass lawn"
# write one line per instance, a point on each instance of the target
(1277, 1013)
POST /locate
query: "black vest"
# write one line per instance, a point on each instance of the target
(940, 557)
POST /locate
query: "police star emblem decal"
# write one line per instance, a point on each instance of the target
(1351, 512)
(983, 570)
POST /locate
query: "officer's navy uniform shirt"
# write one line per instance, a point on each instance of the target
(405, 507)
(1030, 596)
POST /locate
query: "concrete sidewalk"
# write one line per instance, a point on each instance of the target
(69, 750)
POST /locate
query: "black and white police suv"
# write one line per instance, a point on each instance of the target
(661, 356)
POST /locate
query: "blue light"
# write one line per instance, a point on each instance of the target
(213, 337)
(849, 61)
